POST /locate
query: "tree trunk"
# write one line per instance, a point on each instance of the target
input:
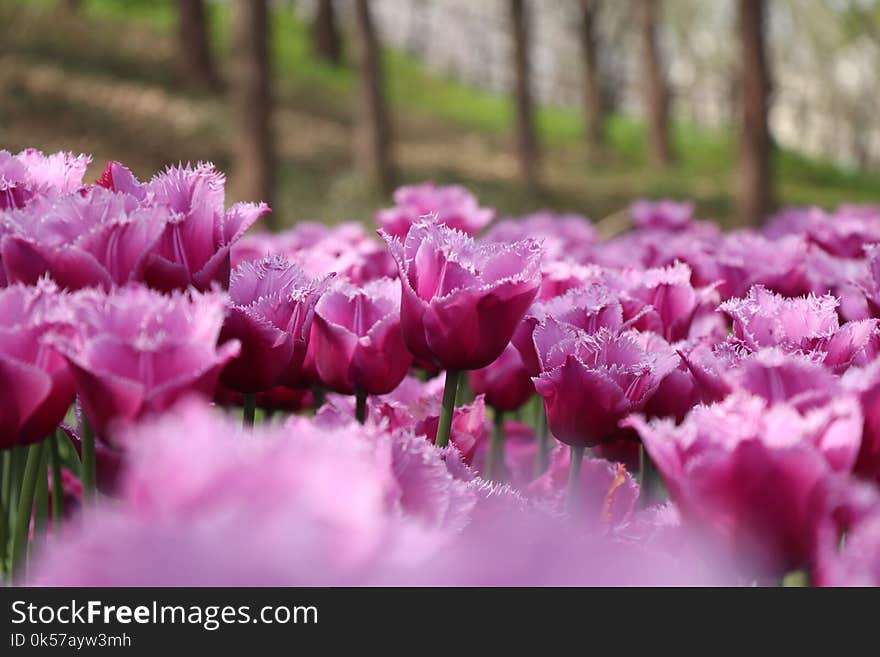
(526, 142)
(656, 93)
(754, 196)
(252, 101)
(372, 139)
(195, 64)
(326, 41)
(593, 109)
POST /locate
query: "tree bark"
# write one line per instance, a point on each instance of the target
(754, 193)
(194, 60)
(372, 139)
(326, 41)
(593, 107)
(656, 92)
(252, 101)
(526, 142)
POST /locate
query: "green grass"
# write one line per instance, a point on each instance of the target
(430, 112)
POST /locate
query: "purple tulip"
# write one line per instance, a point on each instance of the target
(358, 342)
(565, 236)
(31, 176)
(270, 313)
(462, 300)
(505, 382)
(37, 382)
(452, 205)
(760, 480)
(194, 248)
(135, 351)
(95, 238)
(857, 562)
(590, 382)
(663, 214)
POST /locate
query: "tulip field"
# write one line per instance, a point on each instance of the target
(433, 396)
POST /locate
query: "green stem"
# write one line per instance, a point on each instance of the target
(250, 409)
(57, 485)
(26, 503)
(646, 476)
(89, 464)
(18, 456)
(444, 426)
(543, 438)
(574, 472)
(360, 406)
(495, 458)
(5, 492)
(41, 495)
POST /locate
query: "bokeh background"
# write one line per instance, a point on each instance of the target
(322, 107)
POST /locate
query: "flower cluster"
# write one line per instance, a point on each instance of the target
(325, 406)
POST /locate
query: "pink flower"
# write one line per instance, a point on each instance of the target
(452, 205)
(194, 248)
(95, 238)
(664, 214)
(461, 300)
(270, 314)
(134, 352)
(31, 176)
(565, 236)
(358, 341)
(36, 380)
(760, 480)
(505, 382)
(590, 382)
(857, 562)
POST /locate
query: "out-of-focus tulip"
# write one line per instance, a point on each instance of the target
(663, 214)
(762, 481)
(359, 346)
(565, 236)
(135, 351)
(506, 383)
(462, 300)
(270, 313)
(37, 384)
(453, 206)
(31, 176)
(857, 561)
(590, 382)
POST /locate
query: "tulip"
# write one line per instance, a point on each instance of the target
(37, 382)
(590, 382)
(194, 248)
(359, 348)
(663, 214)
(726, 461)
(461, 300)
(94, 238)
(134, 352)
(452, 205)
(271, 304)
(565, 236)
(31, 176)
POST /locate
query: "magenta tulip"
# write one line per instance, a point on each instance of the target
(37, 382)
(663, 214)
(760, 480)
(359, 346)
(505, 382)
(31, 176)
(271, 303)
(590, 382)
(452, 205)
(462, 300)
(135, 351)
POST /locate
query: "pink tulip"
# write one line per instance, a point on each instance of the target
(452, 205)
(760, 480)
(663, 214)
(462, 300)
(270, 314)
(194, 248)
(359, 346)
(565, 236)
(94, 238)
(31, 176)
(590, 382)
(134, 352)
(37, 382)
